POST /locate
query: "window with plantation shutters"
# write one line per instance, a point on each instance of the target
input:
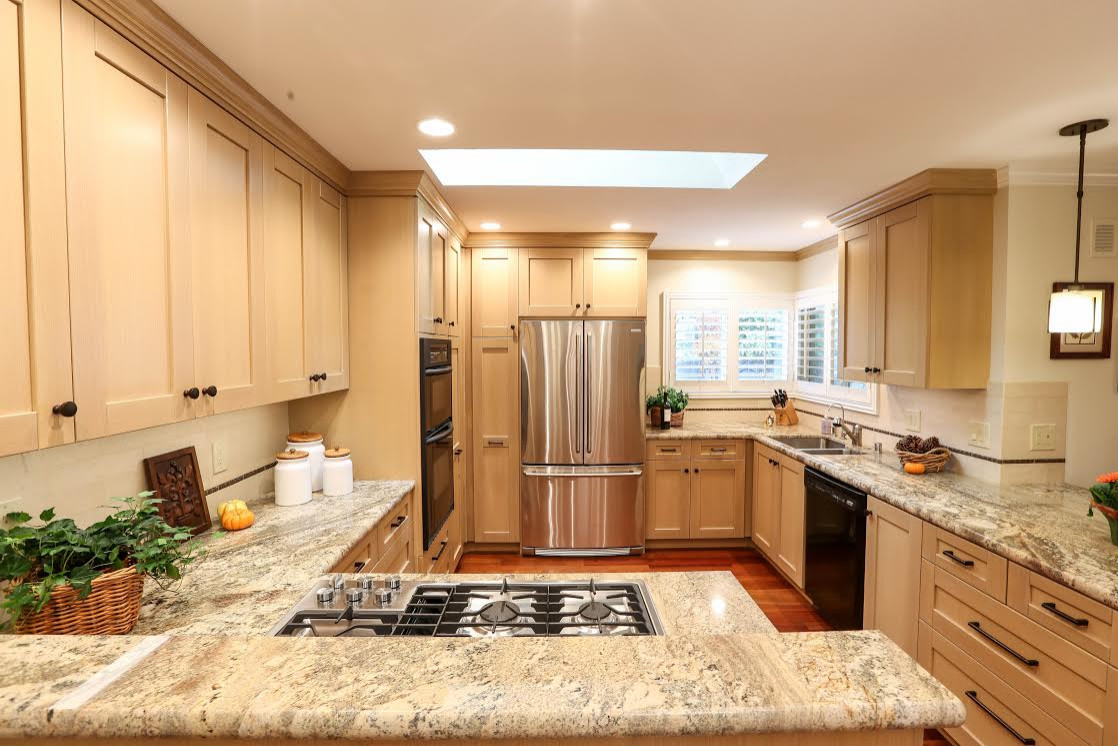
(763, 344)
(818, 372)
(700, 344)
(836, 364)
(811, 344)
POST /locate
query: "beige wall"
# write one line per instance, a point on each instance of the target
(79, 480)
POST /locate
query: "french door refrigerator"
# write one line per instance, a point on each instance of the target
(582, 437)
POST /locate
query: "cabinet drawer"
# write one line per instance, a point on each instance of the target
(734, 449)
(360, 558)
(965, 560)
(1071, 615)
(397, 522)
(1056, 676)
(996, 714)
(397, 559)
(439, 553)
(667, 450)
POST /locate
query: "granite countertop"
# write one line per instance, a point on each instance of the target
(249, 578)
(1043, 527)
(368, 688)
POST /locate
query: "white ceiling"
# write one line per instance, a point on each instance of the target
(844, 97)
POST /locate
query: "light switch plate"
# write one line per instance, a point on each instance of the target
(1042, 437)
(11, 505)
(979, 434)
(220, 456)
(912, 420)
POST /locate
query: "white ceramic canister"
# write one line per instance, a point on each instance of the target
(293, 478)
(312, 444)
(337, 472)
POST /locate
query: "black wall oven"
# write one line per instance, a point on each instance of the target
(436, 388)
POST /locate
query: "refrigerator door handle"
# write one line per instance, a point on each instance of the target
(587, 386)
(582, 471)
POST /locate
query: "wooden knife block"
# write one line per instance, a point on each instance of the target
(786, 415)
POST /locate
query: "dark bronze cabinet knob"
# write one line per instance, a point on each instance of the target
(438, 319)
(314, 377)
(451, 324)
(192, 393)
(322, 376)
(578, 306)
(65, 409)
(210, 391)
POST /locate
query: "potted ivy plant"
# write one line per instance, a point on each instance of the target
(654, 406)
(59, 578)
(677, 399)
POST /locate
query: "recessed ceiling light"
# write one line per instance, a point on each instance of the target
(671, 169)
(722, 242)
(490, 226)
(436, 127)
(812, 223)
(620, 226)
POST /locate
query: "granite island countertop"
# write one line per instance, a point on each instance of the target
(1043, 527)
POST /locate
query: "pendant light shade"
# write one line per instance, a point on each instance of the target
(1073, 312)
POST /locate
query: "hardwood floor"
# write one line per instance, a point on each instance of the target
(783, 605)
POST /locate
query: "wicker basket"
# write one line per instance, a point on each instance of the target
(677, 419)
(110, 609)
(933, 460)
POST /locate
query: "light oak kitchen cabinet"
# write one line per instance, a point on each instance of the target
(915, 274)
(326, 289)
(778, 511)
(494, 292)
(891, 602)
(695, 490)
(581, 282)
(496, 428)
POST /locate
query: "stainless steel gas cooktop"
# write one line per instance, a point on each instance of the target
(363, 606)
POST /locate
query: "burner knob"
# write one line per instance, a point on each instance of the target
(325, 595)
(339, 582)
(367, 584)
(353, 596)
(392, 583)
(383, 596)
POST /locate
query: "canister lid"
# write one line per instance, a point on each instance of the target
(304, 436)
(291, 455)
(337, 452)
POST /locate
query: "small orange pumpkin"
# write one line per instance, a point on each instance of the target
(236, 518)
(913, 467)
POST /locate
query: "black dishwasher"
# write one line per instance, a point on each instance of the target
(835, 549)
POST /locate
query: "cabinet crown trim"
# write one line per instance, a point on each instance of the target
(611, 240)
(930, 181)
(405, 184)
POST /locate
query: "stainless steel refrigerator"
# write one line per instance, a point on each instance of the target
(582, 437)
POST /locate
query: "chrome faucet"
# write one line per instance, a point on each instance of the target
(829, 423)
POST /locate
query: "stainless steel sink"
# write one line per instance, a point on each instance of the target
(811, 442)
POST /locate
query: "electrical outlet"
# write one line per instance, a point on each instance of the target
(979, 434)
(11, 505)
(912, 420)
(1042, 437)
(220, 457)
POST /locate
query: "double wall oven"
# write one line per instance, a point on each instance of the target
(436, 386)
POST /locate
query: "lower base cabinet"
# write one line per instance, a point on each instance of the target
(778, 511)
(695, 493)
(892, 580)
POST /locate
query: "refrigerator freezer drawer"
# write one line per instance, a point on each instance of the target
(579, 508)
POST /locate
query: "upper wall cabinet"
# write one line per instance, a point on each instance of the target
(227, 253)
(326, 291)
(583, 282)
(493, 281)
(19, 422)
(914, 282)
(129, 247)
(437, 274)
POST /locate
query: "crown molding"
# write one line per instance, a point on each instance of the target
(826, 244)
(154, 31)
(611, 240)
(406, 184)
(931, 181)
(1013, 177)
(713, 255)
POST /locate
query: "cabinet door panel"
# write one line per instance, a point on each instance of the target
(287, 231)
(790, 548)
(19, 428)
(496, 505)
(892, 589)
(856, 300)
(130, 271)
(227, 251)
(327, 291)
(551, 282)
(430, 282)
(669, 490)
(766, 502)
(902, 313)
(615, 282)
(494, 290)
(451, 278)
(717, 499)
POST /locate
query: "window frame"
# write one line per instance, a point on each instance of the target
(857, 399)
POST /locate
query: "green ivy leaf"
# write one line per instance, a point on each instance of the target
(47, 515)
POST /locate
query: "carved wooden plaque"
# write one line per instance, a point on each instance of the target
(175, 479)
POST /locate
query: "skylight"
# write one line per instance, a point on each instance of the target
(671, 169)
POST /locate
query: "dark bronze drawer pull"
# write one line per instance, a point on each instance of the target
(951, 556)
(1030, 662)
(440, 554)
(1049, 606)
(973, 697)
(717, 450)
(398, 522)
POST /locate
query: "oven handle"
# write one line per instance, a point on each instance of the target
(442, 369)
(441, 434)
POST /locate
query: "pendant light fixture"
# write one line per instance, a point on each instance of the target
(1073, 310)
